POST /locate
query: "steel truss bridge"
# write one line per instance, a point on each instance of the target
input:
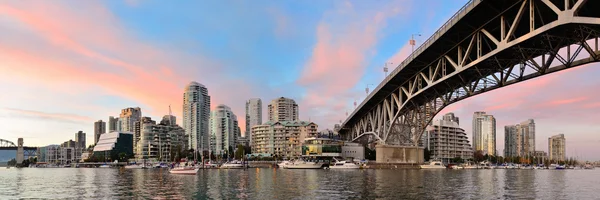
(27, 151)
(487, 44)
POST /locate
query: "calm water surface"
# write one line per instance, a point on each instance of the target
(83, 183)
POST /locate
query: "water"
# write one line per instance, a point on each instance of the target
(267, 184)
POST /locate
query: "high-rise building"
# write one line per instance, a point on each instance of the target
(283, 139)
(113, 124)
(519, 140)
(99, 128)
(196, 115)
(253, 116)
(224, 130)
(447, 140)
(128, 118)
(283, 109)
(557, 147)
(80, 140)
(484, 133)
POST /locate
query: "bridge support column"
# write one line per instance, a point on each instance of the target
(20, 152)
(398, 154)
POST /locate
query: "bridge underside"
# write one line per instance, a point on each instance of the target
(514, 42)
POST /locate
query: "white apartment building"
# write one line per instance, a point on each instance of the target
(447, 140)
(196, 116)
(282, 139)
(224, 130)
(557, 146)
(519, 139)
(283, 109)
(128, 118)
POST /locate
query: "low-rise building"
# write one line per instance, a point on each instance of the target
(59, 155)
(283, 138)
(353, 151)
(111, 145)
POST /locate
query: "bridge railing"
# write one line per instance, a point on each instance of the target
(443, 29)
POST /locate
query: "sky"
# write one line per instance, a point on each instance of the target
(66, 64)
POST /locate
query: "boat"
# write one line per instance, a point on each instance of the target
(232, 165)
(184, 170)
(560, 167)
(588, 166)
(135, 167)
(343, 165)
(553, 166)
(433, 165)
(282, 164)
(303, 164)
(104, 166)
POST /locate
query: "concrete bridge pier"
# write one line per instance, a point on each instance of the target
(399, 154)
(20, 152)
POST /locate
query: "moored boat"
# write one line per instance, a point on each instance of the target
(282, 164)
(232, 165)
(302, 164)
(588, 166)
(135, 167)
(184, 170)
(343, 165)
(433, 165)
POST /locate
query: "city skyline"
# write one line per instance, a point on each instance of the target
(129, 63)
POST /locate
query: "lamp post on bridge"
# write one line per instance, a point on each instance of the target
(412, 41)
(385, 68)
(367, 89)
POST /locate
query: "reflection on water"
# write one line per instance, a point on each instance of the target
(269, 184)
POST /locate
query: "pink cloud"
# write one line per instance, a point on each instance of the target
(86, 45)
(45, 115)
(346, 38)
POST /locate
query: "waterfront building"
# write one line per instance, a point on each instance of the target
(484, 133)
(112, 144)
(519, 139)
(253, 116)
(59, 155)
(557, 147)
(283, 109)
(99, 128)
(540, 156)
(80, 140)
(113, 124)
(446, 140)
(128, 118)
(224, 130)
(352, 150)
(159, 142)
(283, 139)
(196, 115)
(328, 133)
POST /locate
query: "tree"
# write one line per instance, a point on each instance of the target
(478, 156)
(122, 156)
(457, 160)
(239, 152)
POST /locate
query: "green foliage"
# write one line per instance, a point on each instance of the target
(478, 156)
(457, 160)
(239, 152)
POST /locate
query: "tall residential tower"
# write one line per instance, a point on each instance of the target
(283, 109)
(128, 118)
(253, 116)
(99, 128)
(519, 140)
(484, 133)
(196, 115)
(557, 147)
(224, 130)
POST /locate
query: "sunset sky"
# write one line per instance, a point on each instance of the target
(66, 64)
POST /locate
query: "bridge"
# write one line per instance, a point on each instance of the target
(6, 145)
(486, 45)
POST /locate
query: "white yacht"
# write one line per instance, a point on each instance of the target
(302, 164)
(232, 165)
(282, 164)
(135, 167)
(184, 168)
(104, 166)
(433, 165)
(343, 165)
